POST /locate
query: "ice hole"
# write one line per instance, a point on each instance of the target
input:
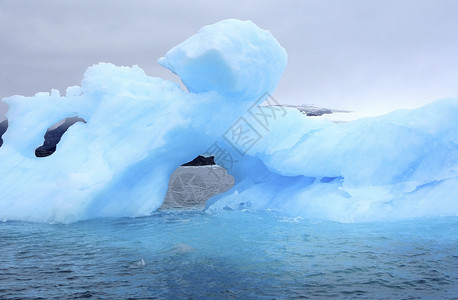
(193, 183)
(3, 120)
(54, 134)
(3, 128)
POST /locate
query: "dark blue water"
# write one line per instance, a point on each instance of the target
(244, 255)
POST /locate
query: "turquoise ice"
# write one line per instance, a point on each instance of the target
(140, 128)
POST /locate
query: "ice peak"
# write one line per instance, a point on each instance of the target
(232, 57)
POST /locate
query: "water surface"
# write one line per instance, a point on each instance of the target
(240, 254)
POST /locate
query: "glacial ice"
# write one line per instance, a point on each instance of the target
(139, 129)
(231, 57)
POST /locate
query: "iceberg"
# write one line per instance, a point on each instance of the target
(136, 130)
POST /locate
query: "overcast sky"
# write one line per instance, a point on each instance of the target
(361, 55)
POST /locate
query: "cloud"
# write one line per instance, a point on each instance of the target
(372, 56)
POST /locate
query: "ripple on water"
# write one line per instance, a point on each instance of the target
(194, 255)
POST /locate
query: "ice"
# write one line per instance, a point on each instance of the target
(139, 129)
(232, 57)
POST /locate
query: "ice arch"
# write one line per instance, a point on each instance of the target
(139, 128)
(193, 183)
(54, 134)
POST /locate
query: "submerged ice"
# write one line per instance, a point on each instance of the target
(139, 129)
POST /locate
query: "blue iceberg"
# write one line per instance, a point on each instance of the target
(138, 129)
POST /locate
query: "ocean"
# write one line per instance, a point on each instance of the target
(235, 254)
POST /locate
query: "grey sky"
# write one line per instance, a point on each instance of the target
(367, 56)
